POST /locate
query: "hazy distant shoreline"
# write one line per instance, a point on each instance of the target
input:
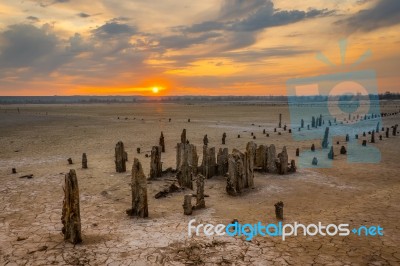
(170, 99)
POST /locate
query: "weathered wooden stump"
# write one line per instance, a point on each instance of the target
(236, 173)
(200, 202)
(13, 170)
(280, 121)
(347, 137)
(271, 156)
(155, 162)
(284, 128)
(325, 140)
(254, 137)
(71, 217)
(297, 152)
(238, 136)
(189, 120)
(380, 137)
(183, 136)
(120, 157)
(314, 161)
(283, 162)
(185, 175)
(356, 136)
(343, 150)
(162, 142)
(139, 191)
(387, 132)
(331, 154)
(373, 136)
(186, 164)
(84, 161)
(205, 140)
(69, 161)
(222, 161)
(279, 210)
(364, 142)
(293, 167)
(261, 157)
(250, 157)
(187, 205)
(313, 147)
(138, 150)
(208, 164)
(223, 138)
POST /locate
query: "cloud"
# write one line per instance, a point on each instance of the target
(234, 9)
(266, 17)
(120, 19)
(204, 27)
(49, 3)
(112, 28)
(24, 45)
(184, 41)
(83, 15)
(33, 19)
(385, 13)
(255, 55)
(78, 45)
(242, 15)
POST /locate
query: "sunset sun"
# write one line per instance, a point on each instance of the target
(155, 89)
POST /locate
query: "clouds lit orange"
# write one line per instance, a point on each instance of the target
(178, 48)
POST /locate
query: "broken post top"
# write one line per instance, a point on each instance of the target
(183, 136)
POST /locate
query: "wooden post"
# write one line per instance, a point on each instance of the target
(120, 157)
(279, 210)
(200, 203)
(71, 217)
(155, 162)
(84, 161)
(139, 191)
(162, 142)
(187, 205)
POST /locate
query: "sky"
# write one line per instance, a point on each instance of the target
(182, 47)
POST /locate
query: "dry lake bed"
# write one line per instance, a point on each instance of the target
(40, 138)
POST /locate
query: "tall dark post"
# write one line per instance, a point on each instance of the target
(223, 138)
(280, 121)
(325, 140)
(120, 157)
(279, 210)
(84, 161)
(139, 191)
(162, 142)
(71, 217)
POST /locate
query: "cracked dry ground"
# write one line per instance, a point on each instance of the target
(30, 225)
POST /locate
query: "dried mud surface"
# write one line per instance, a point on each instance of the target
(38, 143)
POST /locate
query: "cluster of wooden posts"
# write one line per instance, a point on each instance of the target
(238, 167)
